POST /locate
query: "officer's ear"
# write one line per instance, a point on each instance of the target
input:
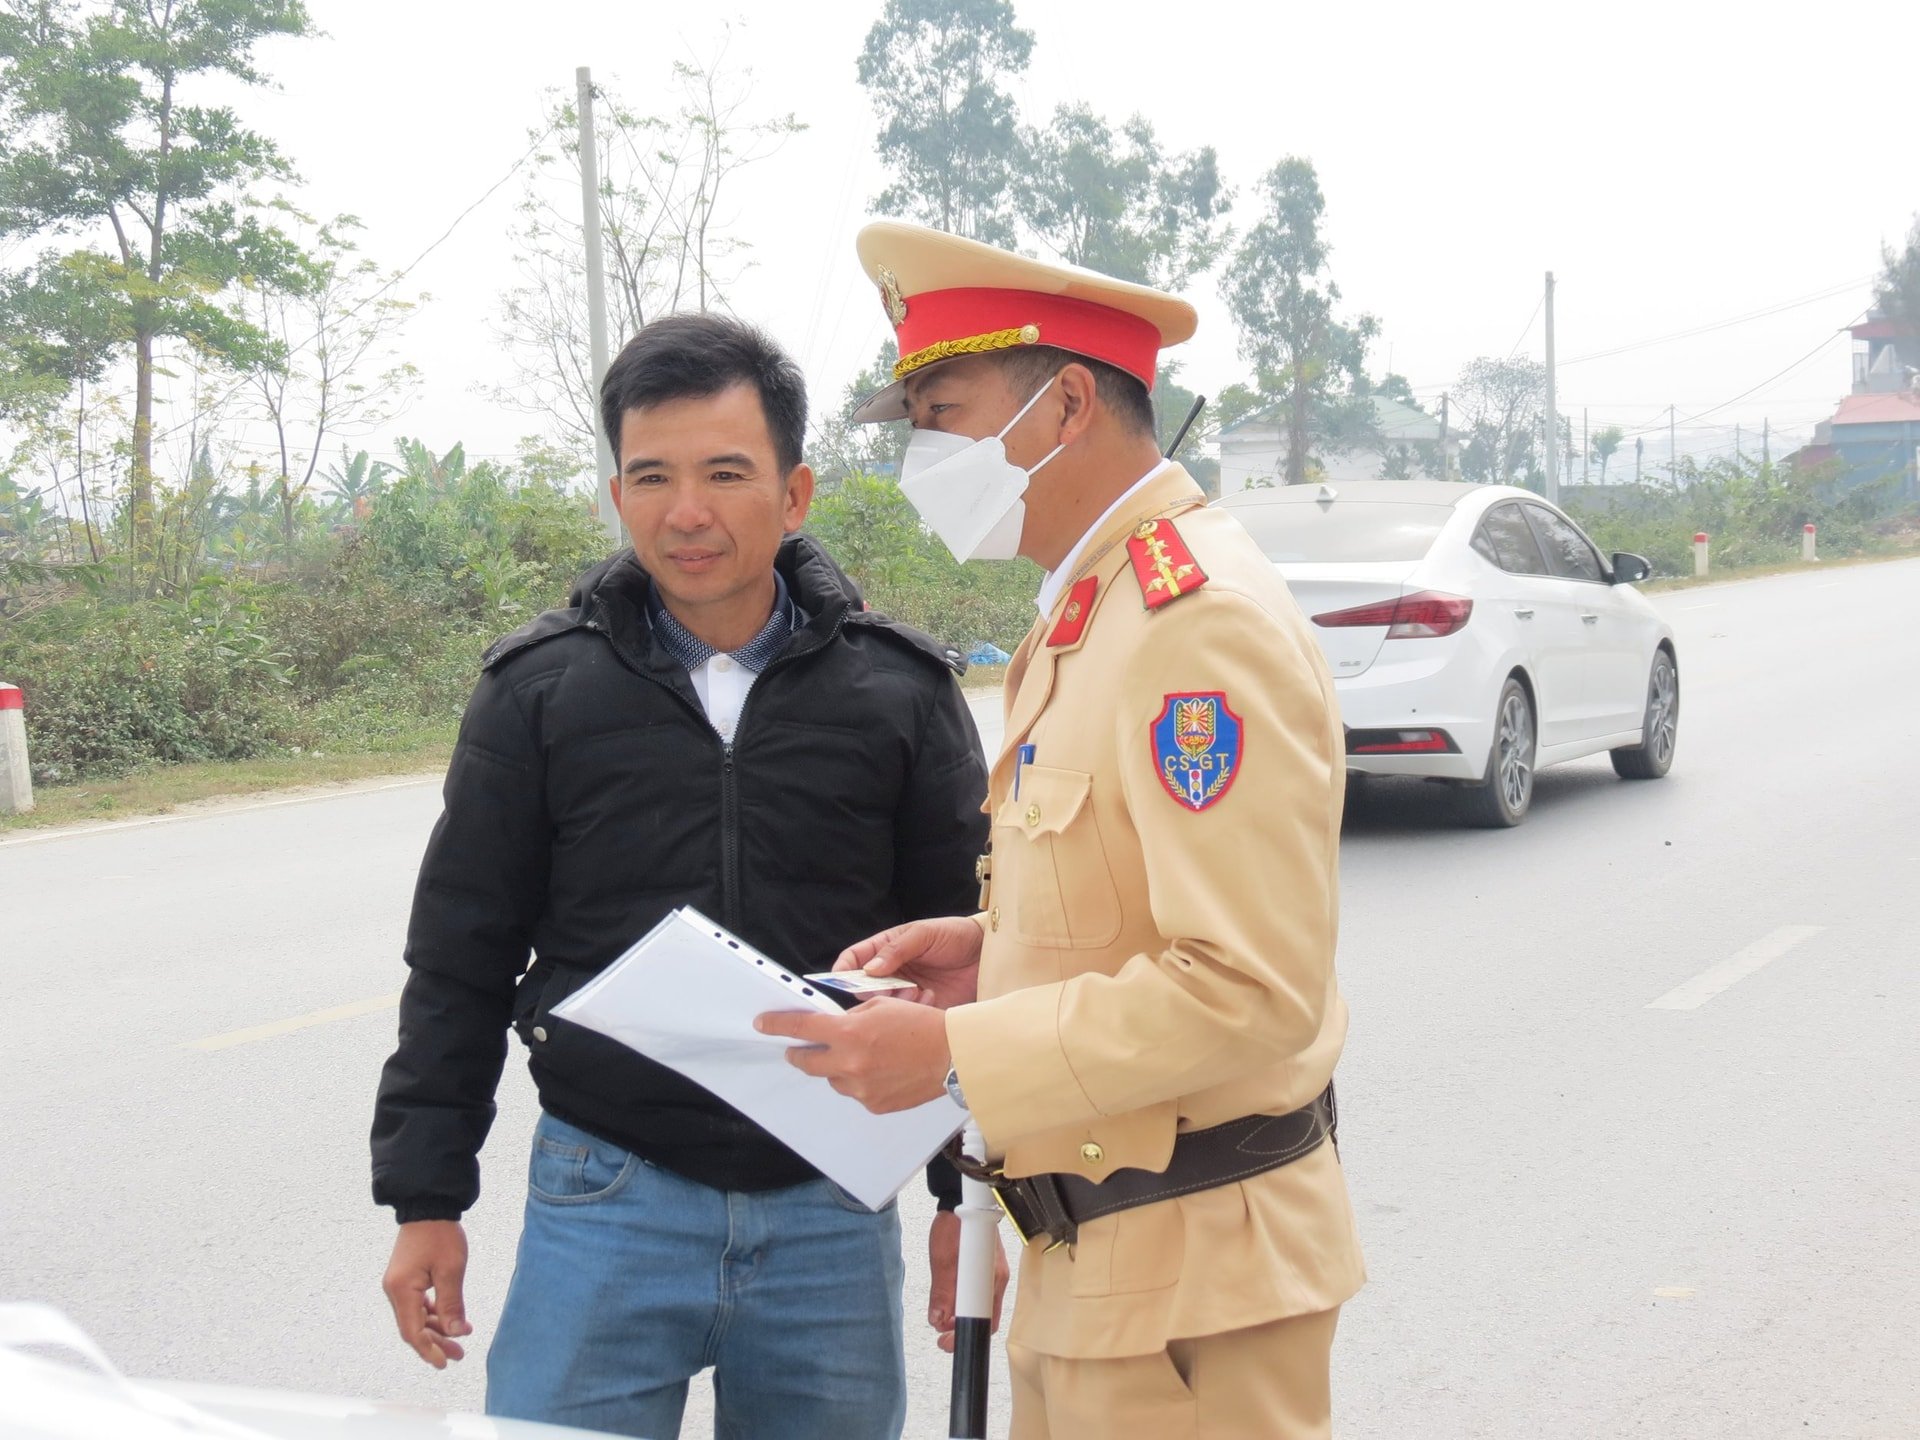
(1078, 391)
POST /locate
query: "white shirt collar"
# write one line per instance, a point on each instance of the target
(1057, 577)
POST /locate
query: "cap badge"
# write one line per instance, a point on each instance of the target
(890, 295)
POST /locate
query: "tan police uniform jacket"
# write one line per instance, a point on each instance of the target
(1160, 920)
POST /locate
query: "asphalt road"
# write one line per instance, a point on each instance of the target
(1585, 1214)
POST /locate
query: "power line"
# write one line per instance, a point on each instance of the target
(1711, 326)
(1778, 375)
(392, 280)
(1529, 330)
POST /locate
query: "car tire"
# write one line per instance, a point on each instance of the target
(1504, 796)
(1660, 730)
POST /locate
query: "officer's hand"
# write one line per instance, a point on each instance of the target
(941, 956)
(943, 1260)
(423, 1285)
(887, 1054)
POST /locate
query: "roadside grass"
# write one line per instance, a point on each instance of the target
(164, 788)
(1784, 567)
(983, 677)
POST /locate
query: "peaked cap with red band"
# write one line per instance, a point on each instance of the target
(947, 297)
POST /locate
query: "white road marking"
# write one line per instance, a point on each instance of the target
(1710, 605)
(1735, 968)
(1829, 585)
(297, 1022)
(1673, 1292)
(76, 832)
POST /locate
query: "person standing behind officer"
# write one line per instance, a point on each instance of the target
(1142, 1014)
(714, 721)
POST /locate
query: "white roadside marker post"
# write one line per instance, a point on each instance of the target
(1806, 543)
(16, 779)
(1700, 556)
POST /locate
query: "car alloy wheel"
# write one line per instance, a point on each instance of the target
(1506, 794)
(1653, 756)
(1663, 711)
(1514, 748)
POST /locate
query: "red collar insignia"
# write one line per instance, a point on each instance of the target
(1162, 563)
(1073, 619)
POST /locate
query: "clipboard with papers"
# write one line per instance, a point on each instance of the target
(685, 995)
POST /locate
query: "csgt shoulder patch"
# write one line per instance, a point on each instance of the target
(1162, 563)
(1197, 742)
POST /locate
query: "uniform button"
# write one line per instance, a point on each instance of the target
(540, 1032)
(1092, 1153)
(723, 662)
(993, 918)
(1033, 815)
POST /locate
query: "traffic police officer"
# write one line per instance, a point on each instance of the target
(1143, 1017)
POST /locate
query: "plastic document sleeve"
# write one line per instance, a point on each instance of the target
(686, 994)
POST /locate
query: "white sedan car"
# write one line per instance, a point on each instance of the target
(1474, 634)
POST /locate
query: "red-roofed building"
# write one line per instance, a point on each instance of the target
(1876, 431)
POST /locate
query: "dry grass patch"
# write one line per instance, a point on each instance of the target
(164, 789)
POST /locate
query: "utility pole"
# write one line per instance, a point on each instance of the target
(1586, 449)
(1766, 443)
(596, 291)
(1738, 458)
(1553, 415)
(1446, 464)
(1673, 452)
(1639, 445)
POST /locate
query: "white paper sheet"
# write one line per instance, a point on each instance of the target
(686, 995)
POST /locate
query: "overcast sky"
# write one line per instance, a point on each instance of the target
(1675, 165)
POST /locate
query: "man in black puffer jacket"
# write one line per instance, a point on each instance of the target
(715, 721)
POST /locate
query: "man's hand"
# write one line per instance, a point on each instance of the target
(943, 1260)
(887, 1054)
(941, 956)
(423, 1285)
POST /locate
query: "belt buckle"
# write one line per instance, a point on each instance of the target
(1000, 1199)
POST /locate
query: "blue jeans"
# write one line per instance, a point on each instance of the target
(631, 1279)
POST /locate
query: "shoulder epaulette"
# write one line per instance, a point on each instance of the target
(1162, 563)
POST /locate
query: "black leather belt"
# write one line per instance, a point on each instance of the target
(1057, 1205)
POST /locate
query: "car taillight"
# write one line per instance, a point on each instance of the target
(1424, 616)
(1400, 742)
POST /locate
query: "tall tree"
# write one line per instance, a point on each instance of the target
(839, 449)
(1605, 441)
(102, 136)
(1501, 403)
(935, 70)
(666, 248)
(1120, 205)
(1282, 299)
(329, 370)
(1898, 292)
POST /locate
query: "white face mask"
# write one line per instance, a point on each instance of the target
(967, 490)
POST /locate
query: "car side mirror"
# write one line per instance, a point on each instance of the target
(1630, 569)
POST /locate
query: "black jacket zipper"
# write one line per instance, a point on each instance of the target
(729, 783)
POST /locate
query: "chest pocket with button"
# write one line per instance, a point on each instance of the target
(1051, 882)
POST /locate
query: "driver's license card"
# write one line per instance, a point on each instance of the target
(858, 982)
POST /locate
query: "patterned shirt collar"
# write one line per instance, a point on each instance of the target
(693, 652)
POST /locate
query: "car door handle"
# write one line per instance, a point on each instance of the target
(1591, 619)
(1523, 614)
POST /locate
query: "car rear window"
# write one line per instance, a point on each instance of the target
(1343, 531)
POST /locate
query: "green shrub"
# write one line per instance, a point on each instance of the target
(108, 690)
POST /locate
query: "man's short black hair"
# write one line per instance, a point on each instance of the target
(689, 357)
(1028, 367)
